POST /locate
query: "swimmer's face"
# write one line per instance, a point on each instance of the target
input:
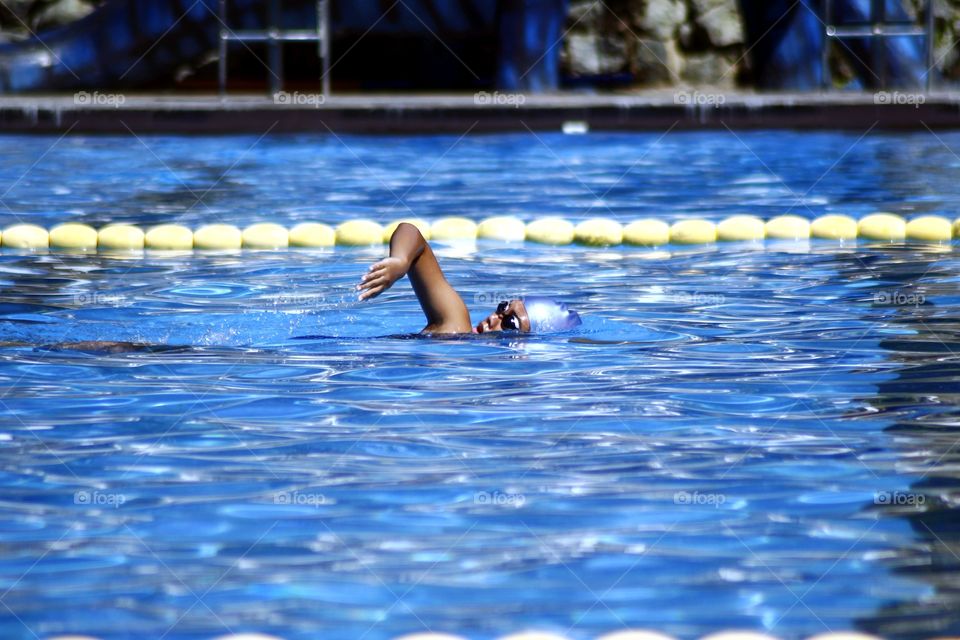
(509, 316)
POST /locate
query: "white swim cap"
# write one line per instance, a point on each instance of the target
(547, 315)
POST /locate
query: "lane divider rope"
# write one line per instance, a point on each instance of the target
(596, 232)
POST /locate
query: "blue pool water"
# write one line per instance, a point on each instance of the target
(762, 439)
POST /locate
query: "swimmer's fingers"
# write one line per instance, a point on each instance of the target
(375, 270)
(373, 291)
(373, 285)
(378, 266)
(371, 280)
(380, 277)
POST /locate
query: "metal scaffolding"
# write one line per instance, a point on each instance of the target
(275, 37)
(877, 29)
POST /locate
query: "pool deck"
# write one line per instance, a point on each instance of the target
(661, 110)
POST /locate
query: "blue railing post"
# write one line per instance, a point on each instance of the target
(531, 38)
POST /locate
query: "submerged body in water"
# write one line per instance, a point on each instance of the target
(99, 346)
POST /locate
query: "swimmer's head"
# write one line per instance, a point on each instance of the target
(532, 314)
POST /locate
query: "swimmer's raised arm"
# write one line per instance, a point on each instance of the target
(410, 255)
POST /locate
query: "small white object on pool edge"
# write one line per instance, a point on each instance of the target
(575, 127)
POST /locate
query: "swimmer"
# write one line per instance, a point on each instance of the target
(411, 256)
(96, 346)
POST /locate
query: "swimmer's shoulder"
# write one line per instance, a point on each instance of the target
(447, 329)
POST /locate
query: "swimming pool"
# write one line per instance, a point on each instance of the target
(735, 437)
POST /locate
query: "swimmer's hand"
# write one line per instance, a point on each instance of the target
(381, 277)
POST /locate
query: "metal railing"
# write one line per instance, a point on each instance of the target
(877, 29)
(275, 37)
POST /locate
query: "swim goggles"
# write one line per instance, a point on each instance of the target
(511, 322)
